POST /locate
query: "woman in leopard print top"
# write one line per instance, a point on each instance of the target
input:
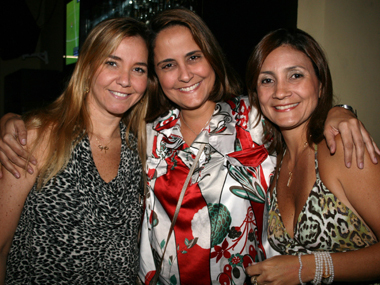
(318, 207)
(76, 219)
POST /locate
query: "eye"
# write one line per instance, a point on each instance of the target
(139, 70)
(111, 63)
(266, 81)
(194, 57)
(167, 66)
(297, 75)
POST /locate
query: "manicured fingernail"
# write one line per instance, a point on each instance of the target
(348, 164)
(375, 160)
(23, 141)
(361, 165)
(17, 175)
(33, 161)
(30, 170)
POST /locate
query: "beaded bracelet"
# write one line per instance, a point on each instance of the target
(299, 272)
(328, 276)
(318, 268)
(324, 268)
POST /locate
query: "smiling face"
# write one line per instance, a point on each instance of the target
(288, 88)
(185, 75)
(121, 80)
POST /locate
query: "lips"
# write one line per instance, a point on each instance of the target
(190, 88)
(119, 94)
(285, 107)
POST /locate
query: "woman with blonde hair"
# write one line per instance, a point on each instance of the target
(204, 138)
(75, 220)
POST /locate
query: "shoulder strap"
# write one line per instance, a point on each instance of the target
(179, 203)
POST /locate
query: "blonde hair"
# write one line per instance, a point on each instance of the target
(66, 121)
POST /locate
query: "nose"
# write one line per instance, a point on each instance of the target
(282, 90)
(185, 74)
(124, 79)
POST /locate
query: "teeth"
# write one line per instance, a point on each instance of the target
(190, 88)
(286, 106)
(119, 94)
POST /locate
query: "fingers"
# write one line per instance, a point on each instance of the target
(7, 165)
(330, 134)
(354, 135)
(21, 132)
(351, 137)
(252, 270)
(15, 152)
(369, 144)
(254, 280)
(16, 155)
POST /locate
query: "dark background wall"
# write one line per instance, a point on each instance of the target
(240, 25)
(29, 82)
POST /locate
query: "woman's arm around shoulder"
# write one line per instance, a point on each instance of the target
(353, 134)
(13, 193)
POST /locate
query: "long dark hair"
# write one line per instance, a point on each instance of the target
(305, 43)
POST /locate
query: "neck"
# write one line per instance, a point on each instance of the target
(295, 142)
(198, 118)
(104, 125)
(104, 130)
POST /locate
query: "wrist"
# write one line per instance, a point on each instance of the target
(349, 108)
(308, 268)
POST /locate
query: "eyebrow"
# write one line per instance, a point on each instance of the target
(287, 69)
(114, 57)
(171, 59)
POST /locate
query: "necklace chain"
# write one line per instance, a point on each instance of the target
(295, 164)
(183, 120)
(101, 147)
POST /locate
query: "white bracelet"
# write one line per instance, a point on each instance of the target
(324, 268)
(299, 272)
(331, 278)
(328, 275)
(318, 268)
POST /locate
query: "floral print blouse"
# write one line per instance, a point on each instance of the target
(219, 229)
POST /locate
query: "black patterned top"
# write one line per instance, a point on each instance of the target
(79, 229)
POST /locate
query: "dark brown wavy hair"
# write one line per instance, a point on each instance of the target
(301, 41)
(227, 84)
